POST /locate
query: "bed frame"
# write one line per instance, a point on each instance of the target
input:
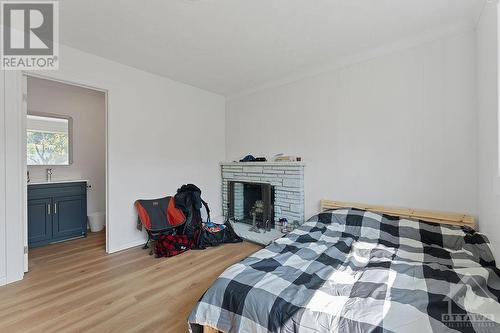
(417, 214)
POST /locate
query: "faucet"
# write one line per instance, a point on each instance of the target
(49, 175)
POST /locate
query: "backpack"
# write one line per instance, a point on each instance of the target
(188, 199)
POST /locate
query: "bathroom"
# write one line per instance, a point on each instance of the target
(66, 162)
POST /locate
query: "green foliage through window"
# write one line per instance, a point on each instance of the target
(47, 148)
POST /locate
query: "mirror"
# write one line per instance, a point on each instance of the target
(48, 139)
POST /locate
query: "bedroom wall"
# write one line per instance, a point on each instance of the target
(87, 108)
(2, 183)
(11, 179)
(487, 87)
(399, 129)
(149, 153)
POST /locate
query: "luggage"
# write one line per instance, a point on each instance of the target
(175, 224)
(218, 234)
(171, 245)
(188, 199)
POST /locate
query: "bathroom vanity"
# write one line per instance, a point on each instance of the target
(57, 211)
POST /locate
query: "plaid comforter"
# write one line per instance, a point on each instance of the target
(351, 270)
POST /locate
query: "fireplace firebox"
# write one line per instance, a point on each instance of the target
(251, 203)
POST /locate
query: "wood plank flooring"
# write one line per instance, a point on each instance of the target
(76, 287)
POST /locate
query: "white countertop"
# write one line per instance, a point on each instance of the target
(55, 181)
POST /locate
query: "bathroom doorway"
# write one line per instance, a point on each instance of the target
(66, 164)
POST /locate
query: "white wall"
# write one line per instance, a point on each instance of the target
(487, 87)
(87, 108)
(399, 129)
(11, 179)
(161, 134)
(2, 183)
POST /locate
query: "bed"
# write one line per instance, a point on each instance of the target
(361, 268)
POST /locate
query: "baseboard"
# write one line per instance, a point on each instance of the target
(15, 278)
(138, 242)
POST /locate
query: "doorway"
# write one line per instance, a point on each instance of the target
(65, 153)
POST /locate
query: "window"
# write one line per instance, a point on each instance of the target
(48, 140)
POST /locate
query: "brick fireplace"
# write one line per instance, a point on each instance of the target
(284, 183)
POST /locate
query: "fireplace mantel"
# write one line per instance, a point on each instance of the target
(298, 164)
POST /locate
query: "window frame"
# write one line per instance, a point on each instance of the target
(70, 137)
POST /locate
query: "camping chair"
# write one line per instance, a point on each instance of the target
(158, 217)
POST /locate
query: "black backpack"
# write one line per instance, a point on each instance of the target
(188, 199)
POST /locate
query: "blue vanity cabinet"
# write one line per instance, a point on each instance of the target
(56, 212)
(39, 220)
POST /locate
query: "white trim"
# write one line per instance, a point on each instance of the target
(71, 83)
(24, 85)
(23, 149)
(498, 100)
(367, 55)
(3, 281)
(497, 186)
(106, 152)
(128, 246)
(14, 177)
(3, 158)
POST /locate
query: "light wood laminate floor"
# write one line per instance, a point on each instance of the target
(76, 287)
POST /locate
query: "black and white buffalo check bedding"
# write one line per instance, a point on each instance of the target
(351, 270)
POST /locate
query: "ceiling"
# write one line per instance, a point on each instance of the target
(229, 46)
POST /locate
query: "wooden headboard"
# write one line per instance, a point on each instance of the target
(418, 214)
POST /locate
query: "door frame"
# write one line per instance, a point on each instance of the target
(25, 76)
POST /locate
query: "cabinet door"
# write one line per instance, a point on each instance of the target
(70, 217)
(39, 222)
